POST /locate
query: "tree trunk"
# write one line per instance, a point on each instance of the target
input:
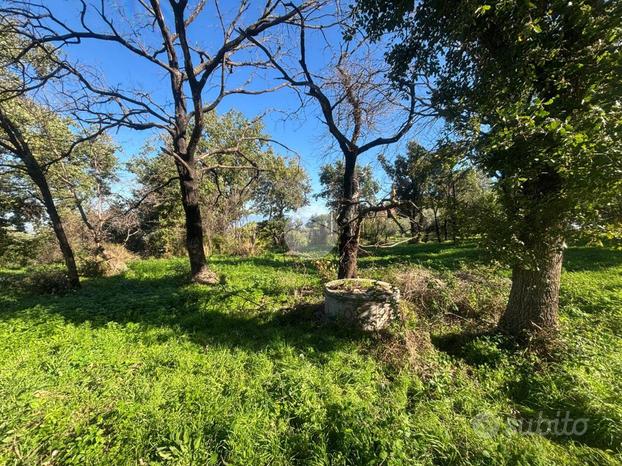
(454, 214)
(348, 252)
(534, 297)
(414, 231)
(194, 227)
(23, 152)
(415, 227)
(349, 225)
(437, 228)
(36, 174)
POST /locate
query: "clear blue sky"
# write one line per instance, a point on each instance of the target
(306, 135)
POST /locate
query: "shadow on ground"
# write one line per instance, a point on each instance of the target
(247, 318)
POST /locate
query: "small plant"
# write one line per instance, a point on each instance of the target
(326, 269)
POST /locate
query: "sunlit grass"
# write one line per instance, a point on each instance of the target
(146, 369)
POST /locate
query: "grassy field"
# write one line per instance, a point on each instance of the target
(146, 369)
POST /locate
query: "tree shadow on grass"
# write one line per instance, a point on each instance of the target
(554, 398)
(253, 318)
(433, 255)
(275, 262)
(539, 391)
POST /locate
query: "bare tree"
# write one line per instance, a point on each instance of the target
(354, 98)
(196, 70)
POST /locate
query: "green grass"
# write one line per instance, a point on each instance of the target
(146, 369)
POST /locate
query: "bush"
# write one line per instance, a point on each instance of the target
(244, 241)
(46, 280)
(326, 269)
(20, 249)
(112, 262)
(468, 294)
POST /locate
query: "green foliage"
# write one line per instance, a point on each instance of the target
(46, 280)
(19, 249)
(143, 368)
(331, 179)
(379, 230)
(440, 180)
(535, 87)
(282, 187)
(233, 184)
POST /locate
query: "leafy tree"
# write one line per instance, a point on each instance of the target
(366, 188)
(34, 137)
(238, 172)
(535, 86)
(412, 177)
(86, 179)
(438, 181)
(26, 129)
(283, 186)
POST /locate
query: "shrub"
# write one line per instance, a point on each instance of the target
(46, 280)
(326, 269)
(243, 242)
(467, 294)
(112, 262)
(20, 249)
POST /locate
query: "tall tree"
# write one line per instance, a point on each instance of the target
(86, 179)
(355, 101)
(170, 37)
(535, 85)
(238, 174)
(282, 187)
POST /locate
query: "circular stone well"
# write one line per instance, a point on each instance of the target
(366, 304)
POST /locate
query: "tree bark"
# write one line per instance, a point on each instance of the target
(534, 297)
(37, 176)
(349, 225)
(184, 148)
(414, 231)
(454, 213)
(21, 149)
(194, 227)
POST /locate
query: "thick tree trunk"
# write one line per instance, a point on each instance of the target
(194, 227)
(534, 297)
(349, 248)
(349, 225)
(36, 174)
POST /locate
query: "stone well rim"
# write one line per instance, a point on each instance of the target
(373, 288)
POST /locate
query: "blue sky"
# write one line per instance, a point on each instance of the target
(306, 134)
